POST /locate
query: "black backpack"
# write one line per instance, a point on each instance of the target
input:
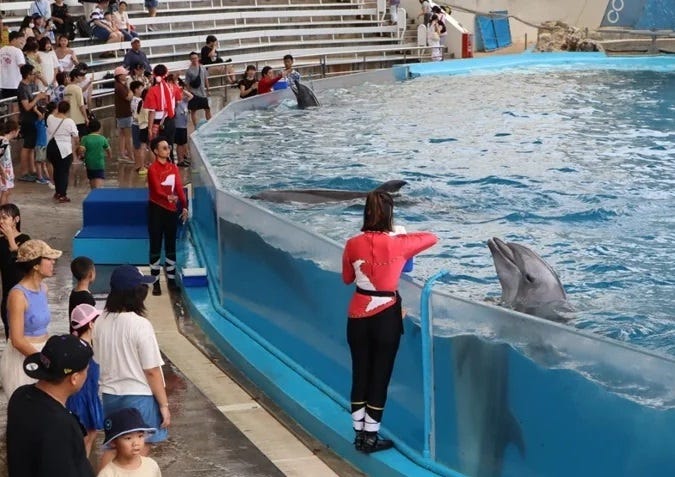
(84, 28)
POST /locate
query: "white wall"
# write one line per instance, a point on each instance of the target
(579, 13)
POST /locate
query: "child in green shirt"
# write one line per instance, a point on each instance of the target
(96, 149)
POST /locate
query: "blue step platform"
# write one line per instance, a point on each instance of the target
(114, 227)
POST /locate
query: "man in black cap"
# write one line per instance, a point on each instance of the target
(44, 438)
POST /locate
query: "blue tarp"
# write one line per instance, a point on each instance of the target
(493, 32)
(640, 14)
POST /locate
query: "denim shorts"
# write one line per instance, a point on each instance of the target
(146, 405)
(124, 123)
(100, 33)
(151, 3)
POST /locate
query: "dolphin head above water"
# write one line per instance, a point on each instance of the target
(304, 95)
(529, 284)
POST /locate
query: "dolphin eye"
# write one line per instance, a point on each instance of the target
(529, 278)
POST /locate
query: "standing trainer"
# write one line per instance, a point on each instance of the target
(374, 260)
(165, 190)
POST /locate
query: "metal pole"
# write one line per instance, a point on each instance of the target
(426, 329)
(526, 41)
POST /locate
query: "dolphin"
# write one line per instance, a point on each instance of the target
(304, 95)
(486, 426)
(529, 284)
(318, 196)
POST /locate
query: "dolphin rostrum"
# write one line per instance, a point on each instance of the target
(529, 284)
(318, 196)
(304, 95)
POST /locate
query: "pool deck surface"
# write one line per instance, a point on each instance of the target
(219, 427)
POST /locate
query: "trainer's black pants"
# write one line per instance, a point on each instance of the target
(373, 343)
(162, 225)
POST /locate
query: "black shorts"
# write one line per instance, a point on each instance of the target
(143, 135)
(82, 130)
(197, 103)
(180, 138)
(8, 93)
(29, 135)
(95, 174)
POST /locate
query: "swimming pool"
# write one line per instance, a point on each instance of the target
(575, 163)
(505, 394)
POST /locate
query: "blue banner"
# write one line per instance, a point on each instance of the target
(640, 14)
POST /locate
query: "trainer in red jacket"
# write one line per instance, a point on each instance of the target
(165, 191)
(375, 260)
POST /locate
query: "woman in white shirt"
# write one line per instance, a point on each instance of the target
(434, 39)
(129, 356)
(60, 151)
(50, 63)
(66, 56)
(121, 21)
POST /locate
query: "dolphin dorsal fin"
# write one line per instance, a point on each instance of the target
(391, 186)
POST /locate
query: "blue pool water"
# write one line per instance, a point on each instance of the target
(575, 164)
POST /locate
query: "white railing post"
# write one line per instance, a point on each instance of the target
(401, 23)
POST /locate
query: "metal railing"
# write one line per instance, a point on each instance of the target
(317, 66)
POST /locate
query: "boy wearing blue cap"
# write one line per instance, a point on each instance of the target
(125, 432)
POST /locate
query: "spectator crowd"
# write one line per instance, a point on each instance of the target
(63, 390)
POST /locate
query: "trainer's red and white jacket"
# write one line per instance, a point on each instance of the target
(375, 260)
(164, 180)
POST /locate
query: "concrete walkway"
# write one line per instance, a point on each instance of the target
(217, 428)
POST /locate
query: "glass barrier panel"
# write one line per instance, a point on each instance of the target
(520, 396)
(285, 283)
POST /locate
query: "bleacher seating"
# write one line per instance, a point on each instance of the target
(326, 32)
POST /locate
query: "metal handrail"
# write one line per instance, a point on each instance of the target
(426, 330)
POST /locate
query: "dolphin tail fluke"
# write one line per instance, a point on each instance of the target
(391, 186)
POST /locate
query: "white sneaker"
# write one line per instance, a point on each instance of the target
(125, 160)
(51, 185)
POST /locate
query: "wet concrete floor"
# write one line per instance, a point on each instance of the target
(203, 441)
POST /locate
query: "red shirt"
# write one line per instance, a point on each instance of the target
(164, 180)
(162, 98)
(375, 260)
(265, 84)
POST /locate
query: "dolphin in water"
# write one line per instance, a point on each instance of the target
(318, 196)
(486, 426)
(529, 284)
(304, 95)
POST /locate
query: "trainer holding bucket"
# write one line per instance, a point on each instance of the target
(374, 260)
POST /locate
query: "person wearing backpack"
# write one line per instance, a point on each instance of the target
(197, 79)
